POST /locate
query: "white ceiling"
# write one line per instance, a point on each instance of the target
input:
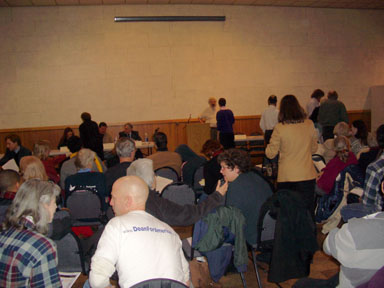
(344, 4)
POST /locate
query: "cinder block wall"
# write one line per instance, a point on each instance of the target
(56, 62)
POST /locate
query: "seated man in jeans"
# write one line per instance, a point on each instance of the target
(372, 199)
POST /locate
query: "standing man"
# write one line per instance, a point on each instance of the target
(135, 243)
(209, 116)
(90, 136)
(331, 112)
(269, 118)
(225, 120)
(14, 150)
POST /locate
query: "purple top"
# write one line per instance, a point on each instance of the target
(225, 120)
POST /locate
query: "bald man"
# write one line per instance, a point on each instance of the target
(209, 116)
(140, 246)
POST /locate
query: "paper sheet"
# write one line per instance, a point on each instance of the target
(161, 182)
(68, 278)
(11, 165)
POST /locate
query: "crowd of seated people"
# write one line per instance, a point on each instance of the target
(136, 203)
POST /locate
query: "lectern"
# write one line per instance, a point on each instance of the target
(197, 134)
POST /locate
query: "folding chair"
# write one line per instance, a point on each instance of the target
(84, 208)
(319, 162)
(159, 283)
(167, 172)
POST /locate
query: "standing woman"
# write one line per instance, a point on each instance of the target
(225, 120)
(27, 257)
(295, 138)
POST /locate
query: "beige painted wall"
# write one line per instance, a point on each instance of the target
(56, 62)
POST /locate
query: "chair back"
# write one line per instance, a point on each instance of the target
(167, 172)
(197, 177)
(159, 283)
(179, 193)
(70, 253)
(319, 162)
(84, 206)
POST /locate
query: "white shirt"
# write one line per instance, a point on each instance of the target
(269, 118)
(209, 115)
(311, 105)
(141, 247)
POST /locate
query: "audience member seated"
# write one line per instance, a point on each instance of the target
(27, 257)
(326, 149)
(90, 136)
(331, 112)
(107, 138)
(41, 150)
(10, 182)
(372, 200)
(85, 179)
(344, 157)
(163, 157)
(136, 244)
(129, 133)
(211, 150)
(14, 150)
(371, 154)
(246, 190)
(359, 139)
(68, 168)
(68, 133)
(31, 167)
(359, 247)
(191, 162)
(168, 211)
(125, 149)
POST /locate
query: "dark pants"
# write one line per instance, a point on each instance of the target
(213, 133)
(267, 136)
(328, 132)
(227, 140)
(305, 188)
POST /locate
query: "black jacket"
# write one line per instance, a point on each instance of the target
(17, 156)
(134, 135)
(91, 138)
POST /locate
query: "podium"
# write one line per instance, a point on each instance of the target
(197, 134)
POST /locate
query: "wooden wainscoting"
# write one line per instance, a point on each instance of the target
(175, 129)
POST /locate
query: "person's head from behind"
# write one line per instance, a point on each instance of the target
(233, 162)
(211, 147)
(85, 116)
(222, 102)
(143, 168)
(290, 110)
(212, 102)
(317, 94)
(161, 141)
(380, 136)
(128, 128)
(31, 167)
(10, 181)
(74, 144)
(342, 129)
(342, 147)
(84, 159)
(129, 193)
(12, 142)
(125, 148)
(35, 198)
(332, 95)
(41, 149)
(272, 100)
(360, 131)
(68, 133)
(103, 127)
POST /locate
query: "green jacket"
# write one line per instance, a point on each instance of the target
(332, 112)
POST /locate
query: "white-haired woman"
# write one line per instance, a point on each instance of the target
(27, 257)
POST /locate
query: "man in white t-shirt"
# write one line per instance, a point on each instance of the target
(269, 118)
(209, 116)
(136, 244)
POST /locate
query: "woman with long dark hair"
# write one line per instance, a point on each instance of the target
(68, 133)
(359, 139)
(295, 138)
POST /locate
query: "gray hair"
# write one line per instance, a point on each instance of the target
(125, 147)
(84, 158)
(29, 201)
(143, 168)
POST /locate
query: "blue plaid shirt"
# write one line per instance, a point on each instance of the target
(27, 259)
(373, 177)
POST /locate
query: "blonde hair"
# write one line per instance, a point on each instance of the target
(31, 167)
(29, 201)
(342, 129)
(84, 158)
(41, 149)
(342, 147)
